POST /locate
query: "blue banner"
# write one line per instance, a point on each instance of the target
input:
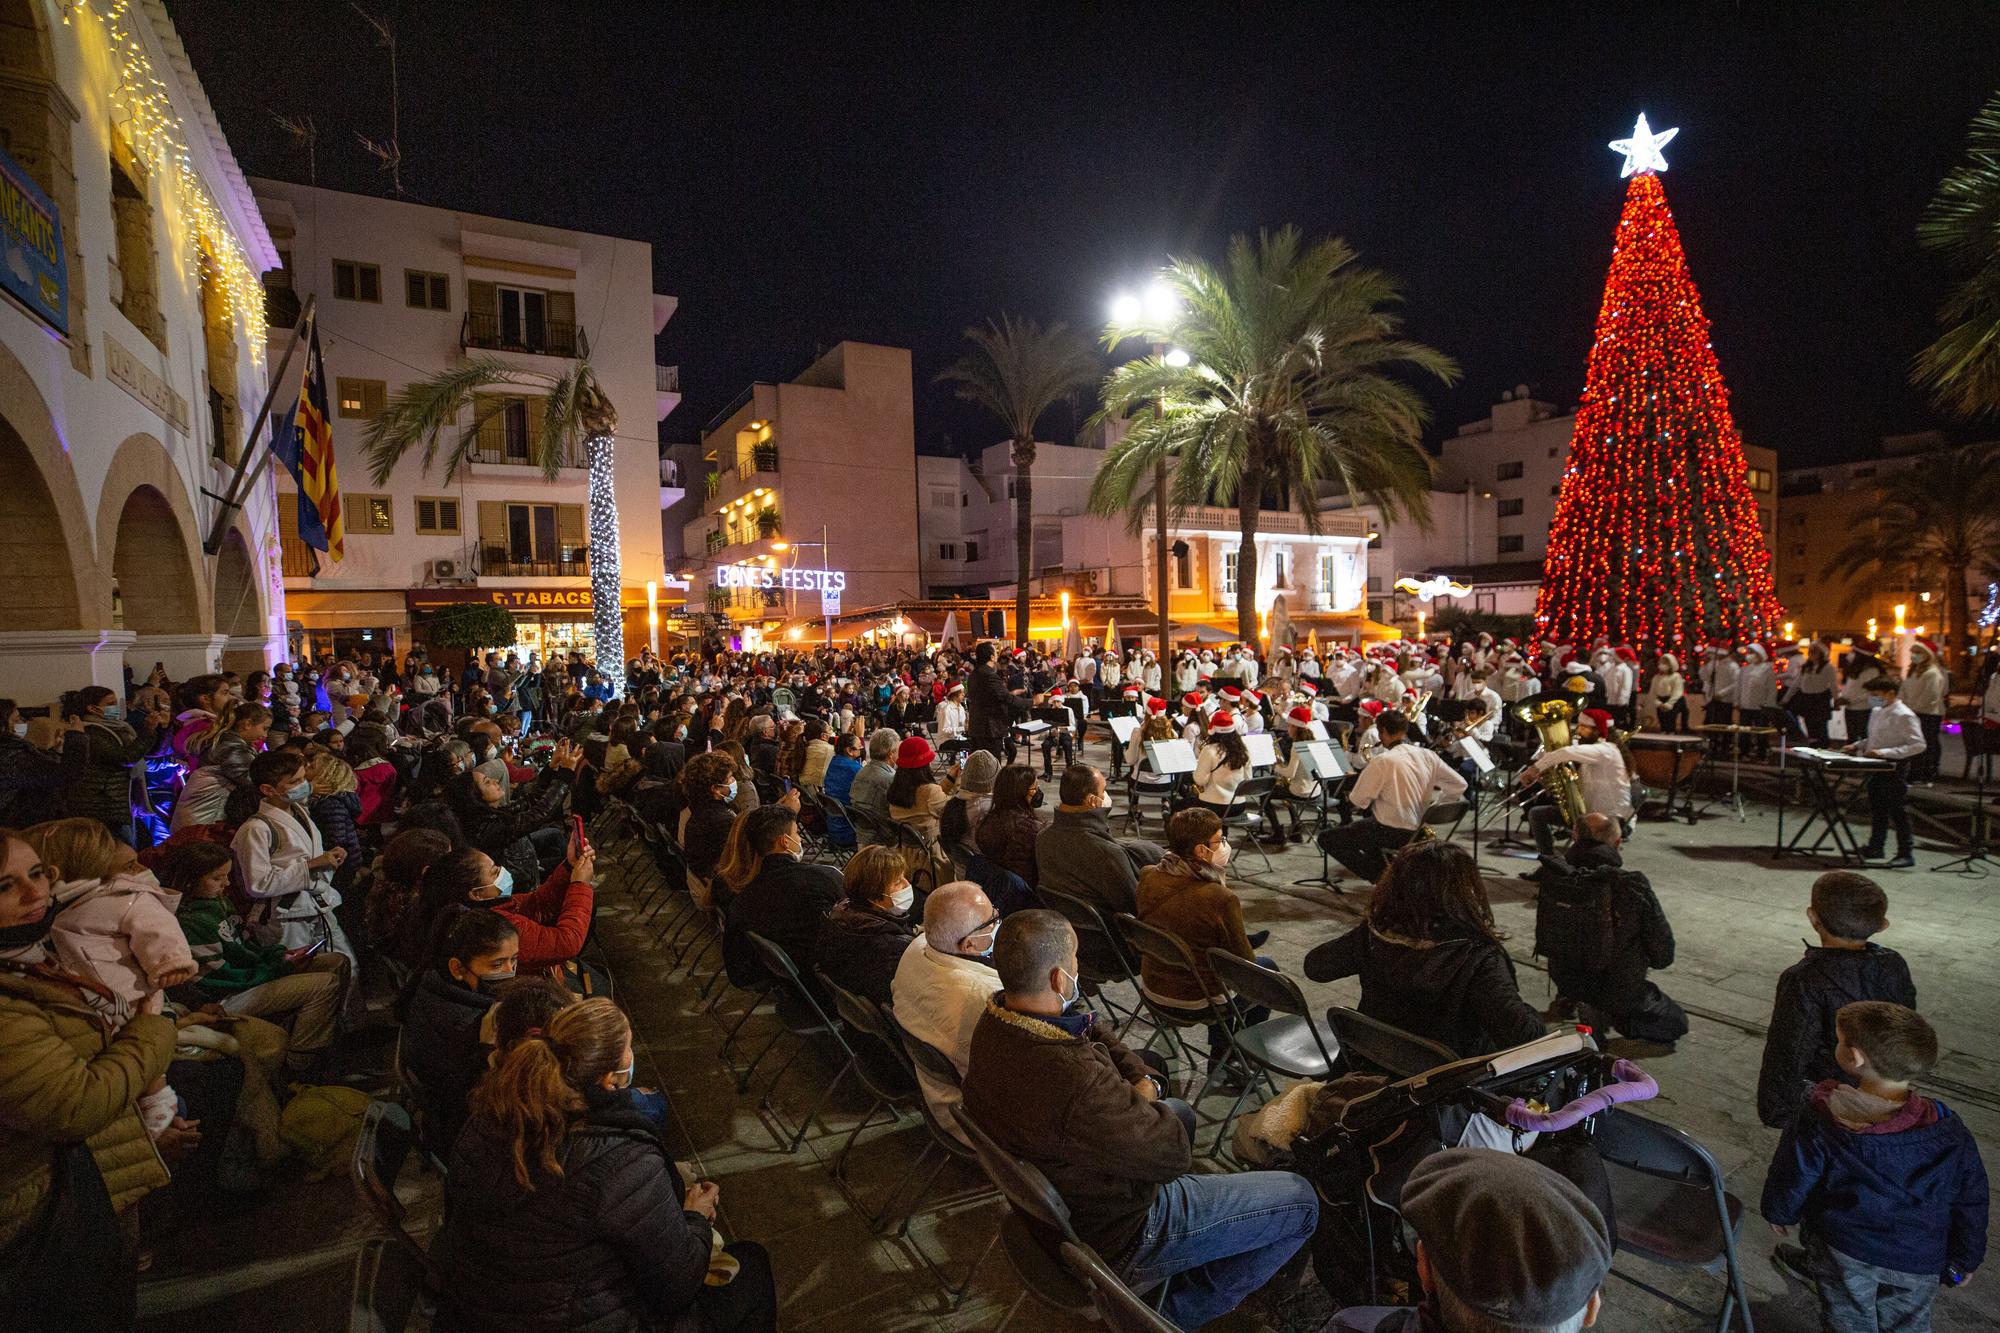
(32, 262)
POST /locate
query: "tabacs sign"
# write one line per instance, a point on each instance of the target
(32, 265)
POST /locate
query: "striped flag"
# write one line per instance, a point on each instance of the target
(306, 449)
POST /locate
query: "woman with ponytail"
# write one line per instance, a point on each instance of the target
(563, 1210)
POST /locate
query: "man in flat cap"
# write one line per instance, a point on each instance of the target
(1504, 1245)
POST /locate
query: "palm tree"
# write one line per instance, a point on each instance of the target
(1962, 224)
(1940, 513)
(1017, 371)
(575, 413)
(1284, 387)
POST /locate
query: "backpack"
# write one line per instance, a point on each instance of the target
(1576, 918)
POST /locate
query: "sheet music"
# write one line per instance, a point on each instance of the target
(1032, 727)
(1326, 761)
(1122, 728)
(1476, 752)
(1316, 729)
(1168, 757)
(1838, 757)
(1263, 753)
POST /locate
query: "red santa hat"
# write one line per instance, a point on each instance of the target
(1601, 718)
(1130, 692)
(1308, 689)
(1626, 654)
(1191, 701)
(1223, 723)
(1372, 707)
(1929, 646)
(1020, 653)
(1252, 695)
(1300, 715)
(1156, 704)
(1232, 692)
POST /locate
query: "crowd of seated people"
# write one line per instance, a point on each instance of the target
(356, 843)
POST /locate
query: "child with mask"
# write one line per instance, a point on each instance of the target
(283, 865)
(442, 1054)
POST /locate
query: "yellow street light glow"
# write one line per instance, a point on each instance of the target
(781, 545)
(1177, 359)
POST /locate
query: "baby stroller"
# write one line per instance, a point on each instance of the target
(1366, 1132)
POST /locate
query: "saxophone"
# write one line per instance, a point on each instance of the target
(1551, 720)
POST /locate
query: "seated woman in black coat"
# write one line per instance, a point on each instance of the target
(708, 795)
(866, 934)
(441, 1045)
(498, 821)
(1429, 958)
(773, 893)
(564, 1212)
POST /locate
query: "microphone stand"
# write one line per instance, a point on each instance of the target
(1975, 861)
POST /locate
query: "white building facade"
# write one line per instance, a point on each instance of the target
(405, 291)
(131, 362)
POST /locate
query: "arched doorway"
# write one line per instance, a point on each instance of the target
(239, 611)
(39, 589)
(150, 562)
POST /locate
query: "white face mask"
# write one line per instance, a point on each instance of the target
(1219, 857)
(903, 899)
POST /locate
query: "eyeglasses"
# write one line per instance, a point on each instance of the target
(989, 929)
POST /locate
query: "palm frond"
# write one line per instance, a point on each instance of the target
(419, 413)
(1961, 225)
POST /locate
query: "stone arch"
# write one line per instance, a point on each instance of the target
(147, 537)
(52, 581)
(239, 609)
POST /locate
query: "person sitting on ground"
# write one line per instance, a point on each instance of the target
(868, 795)
(1007, 836)
(1847, 909)
(774, 893)
(1886, 1185)
(1399, 784)
(943, 981)
(244, 978)
(708, 788)
(564, 1211)
(441, 1048)
(1503, 1243)
(862, 940)
(1601, 927)
(1052, 1084)
(1430, 960)
(1078, 855)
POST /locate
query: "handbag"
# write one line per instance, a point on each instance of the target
(78, 1233)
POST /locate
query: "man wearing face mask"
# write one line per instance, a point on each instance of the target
(943, 982)
(441, 1049)
(1051, 1084)
(1077, 853)
(283, 865)
(30, 768)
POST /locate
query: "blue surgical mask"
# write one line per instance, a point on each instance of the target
(1074, 995)
(492, 981)
(732, 790)
(504, 882)
(299, 791)
(112, 712)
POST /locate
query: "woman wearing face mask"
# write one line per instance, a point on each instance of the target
(98, 755)
(774, 893)
(708, 790)
(30, 768)
(441, 1048)
(498, 817)
(563, 1210)
(866, 934)
(75, 1152)
(1006, 836)
(1187, 895)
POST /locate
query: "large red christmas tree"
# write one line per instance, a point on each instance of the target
(1656, 541)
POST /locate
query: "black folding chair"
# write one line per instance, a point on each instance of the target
(1287, 1045)
(1446, 815)
(800, 1014)
(1034, 1211)
(937, 1067)
(380, 1149)
(1169, 950)
(391, 1289)
(1667, 1194)
(1122, 1309)
(881, 1071)
(1370, 1044)
(1246, 811)
(1101, 956)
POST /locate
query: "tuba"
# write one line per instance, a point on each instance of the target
(1551, 720)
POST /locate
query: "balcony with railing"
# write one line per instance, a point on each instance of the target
(762, 459)
(487, 331)
(514, 437)
(566, 562)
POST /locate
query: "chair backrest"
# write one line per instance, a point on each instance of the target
(1089, 925)
(1250, 791)
(1638, 1144)
(389, 1282)
(887, 1077)
(1258, 985)
(1007, 891)
(1163, 947)
(379, 1152)
(1444, 812)
(1373, 1042)
(1121, 1308)
(932, 1061)
(1026, 1189)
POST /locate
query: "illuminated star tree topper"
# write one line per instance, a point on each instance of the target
(1642, 150)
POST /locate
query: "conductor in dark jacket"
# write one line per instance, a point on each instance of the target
(1601, 928)
(1050, 1083)
(564, 1212)
(989, 706)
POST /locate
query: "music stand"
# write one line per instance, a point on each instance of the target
(1263, 751)
(1976, 859)
(1328, 764)
(1482, 764)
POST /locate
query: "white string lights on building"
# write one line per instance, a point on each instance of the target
(159, 139)
(606, 609)
(1989, 615)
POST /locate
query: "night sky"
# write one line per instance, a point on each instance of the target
(861, 172)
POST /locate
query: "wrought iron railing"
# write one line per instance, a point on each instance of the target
(546, 337)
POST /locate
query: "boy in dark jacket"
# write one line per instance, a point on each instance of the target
(441, 1047)
(1845, 967)
(1888, 1184)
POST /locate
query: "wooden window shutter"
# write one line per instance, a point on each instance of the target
(427, 519)
(569, 526)
(493, 527)
(447, 515)
(562, 308)
(288, 516)
(480, 298)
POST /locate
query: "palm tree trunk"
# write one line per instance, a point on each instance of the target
(1024, 533)
(1249, 495)
(606, 613)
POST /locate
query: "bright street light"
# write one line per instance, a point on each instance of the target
(1127, 309)
(1163, 304)
(1176, 358)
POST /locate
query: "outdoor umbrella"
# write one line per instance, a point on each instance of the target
(1111, 635)
(949, 634)
(1072, 644)
(1312, 638)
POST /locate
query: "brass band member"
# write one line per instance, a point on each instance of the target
(1603, 774)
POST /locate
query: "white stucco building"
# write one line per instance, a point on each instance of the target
(131, 361)
(407, 290)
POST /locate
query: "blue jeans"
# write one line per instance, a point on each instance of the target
(1856, 1297)
(1220, 1238)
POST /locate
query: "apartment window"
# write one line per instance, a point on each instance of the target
(1555, 490)
(426, 291)
(1326, 572)
(354, 281)
(963, 500)
(360, 398)
(371, 513)
(971, 552)
(1760, 480)
(135, 283)
(1010, 488)
(942, 497)
(1552, 452)
(1183, 566)
(534, 532)
(1281, 569)
(1508, 472)
(1511, 508)
(521, 319)
(1512, 545)
(1374, 583)
(1229, 573)
(948, 550)
(438, 515)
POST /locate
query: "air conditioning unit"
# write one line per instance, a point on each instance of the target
(444, 571)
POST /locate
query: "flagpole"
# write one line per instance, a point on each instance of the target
(232, 499)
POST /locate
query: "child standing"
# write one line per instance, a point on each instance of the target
(1887, 1184)
(1847, 908)
(282, 862)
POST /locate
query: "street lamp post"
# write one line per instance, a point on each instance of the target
(825, 569)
